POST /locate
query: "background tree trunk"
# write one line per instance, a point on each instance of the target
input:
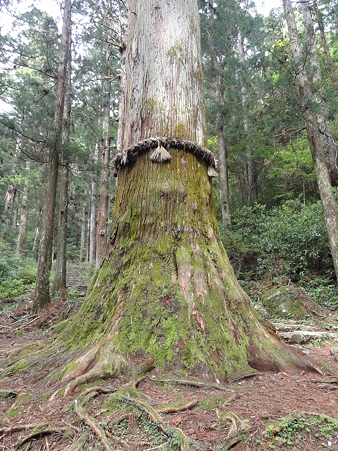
(42, 294)
(92, 221)
(60, 280)
(23, 215)
(84, 229)
(315, 77)
(312, 128)
(252, 181)
(102, 209)
(223, 178)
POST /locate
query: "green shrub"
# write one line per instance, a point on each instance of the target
(9, 263)
(289, 240)
(16, 275)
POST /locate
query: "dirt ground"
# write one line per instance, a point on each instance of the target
(265, 412)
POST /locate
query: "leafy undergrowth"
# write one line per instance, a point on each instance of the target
(267, 412)
(302, 430)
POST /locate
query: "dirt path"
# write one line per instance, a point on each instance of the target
(235, 417)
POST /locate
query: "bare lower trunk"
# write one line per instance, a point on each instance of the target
(223, 179)
(23, 216)
(102, 210)
(42, 294)
(83, 232)
(9, 205)
(60, 280)
(250, 167)
(92, 221)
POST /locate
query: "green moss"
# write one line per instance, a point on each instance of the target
(175, 51)
(211, 403)
(19, 406)
(20, 366)
(149, 106)
(283, 302)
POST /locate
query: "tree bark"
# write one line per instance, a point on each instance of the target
(162, 95)
(165, 292)
(92, 220)
(102, 209)
(23, 216)
(312, 128)
(41, 293)
(328, 143)
(252, 182)
(60, 280)
(84, 228)
(329, 62)
(9, 204)
(223, 178)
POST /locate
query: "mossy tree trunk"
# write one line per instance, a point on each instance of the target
(166, 295)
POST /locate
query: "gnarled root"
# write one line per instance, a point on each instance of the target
(93, 424)
(101, 362)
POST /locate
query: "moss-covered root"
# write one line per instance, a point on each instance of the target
(93, 424)
(185, 442)
(38, 430)
(100, 362)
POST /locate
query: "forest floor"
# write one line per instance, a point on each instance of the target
(266, 412)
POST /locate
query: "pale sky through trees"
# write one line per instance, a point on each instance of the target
(265, 6)
(53, 8)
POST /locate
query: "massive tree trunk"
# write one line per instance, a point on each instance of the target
(166, 295)
(312, 127)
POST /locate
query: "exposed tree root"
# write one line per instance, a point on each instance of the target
(39, 430)
(186, 443)
(190, 381)
(46, 430)
(93, 424)
(97, 364)
(188, 406)
(102, 362)
(21, 427)
(238, 431)
(98, 389)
